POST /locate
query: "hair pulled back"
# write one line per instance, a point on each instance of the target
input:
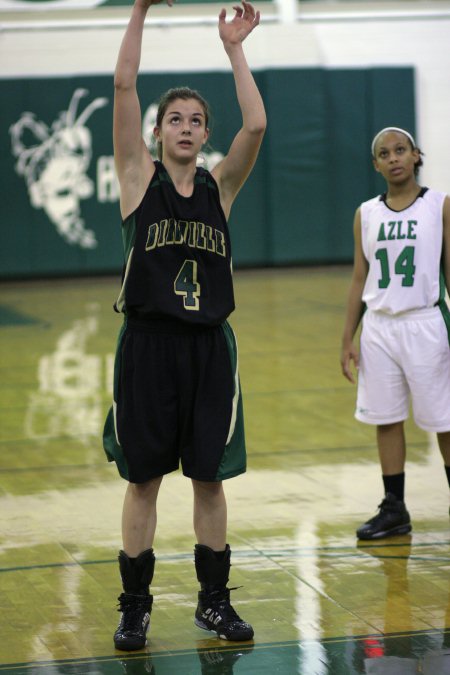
(185, 93)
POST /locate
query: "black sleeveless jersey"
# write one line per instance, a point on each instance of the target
(177, 252)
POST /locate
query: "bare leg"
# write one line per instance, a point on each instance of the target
(444, 446)
(139, 516)
(392, 448)
(210, 514)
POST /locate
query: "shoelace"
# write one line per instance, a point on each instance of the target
(388, 506)
(132, 608)
(384, 508)
(220, 601)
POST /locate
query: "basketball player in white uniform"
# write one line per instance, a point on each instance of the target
(401, 271)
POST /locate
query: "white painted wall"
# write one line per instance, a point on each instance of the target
(323, 34)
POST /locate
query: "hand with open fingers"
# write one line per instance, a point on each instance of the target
(349, 354)
(241, 25)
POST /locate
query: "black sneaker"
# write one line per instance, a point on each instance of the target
(392, 519)
(215, 613)
(131, 633)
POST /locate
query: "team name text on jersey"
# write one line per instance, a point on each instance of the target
(396, 229)
(170, 231)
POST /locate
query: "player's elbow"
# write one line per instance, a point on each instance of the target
(257, 129)
(259, 124)
(124, 80)
(255, 121)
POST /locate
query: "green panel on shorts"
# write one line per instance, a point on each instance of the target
(442, 303)
(234, 460)
(113, 450)
(446, 316)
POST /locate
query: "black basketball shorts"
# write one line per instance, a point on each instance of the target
(176, 398)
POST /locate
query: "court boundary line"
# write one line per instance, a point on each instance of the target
(323, 552)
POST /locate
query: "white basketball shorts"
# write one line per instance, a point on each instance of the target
(404, 358)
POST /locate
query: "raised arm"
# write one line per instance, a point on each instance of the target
(355, 305)
(134, 164)
(233, 170)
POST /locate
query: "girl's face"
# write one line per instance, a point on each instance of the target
(183, 130)
(395, 158)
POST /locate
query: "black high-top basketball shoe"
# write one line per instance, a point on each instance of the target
(392, 519)
(135, 602)
(214, 611)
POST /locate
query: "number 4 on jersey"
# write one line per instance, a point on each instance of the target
(186, 285)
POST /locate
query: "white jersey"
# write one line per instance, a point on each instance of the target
(403, 249)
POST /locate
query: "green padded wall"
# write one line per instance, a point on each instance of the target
(60, 212)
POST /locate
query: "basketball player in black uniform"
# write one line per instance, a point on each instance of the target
(176, 385)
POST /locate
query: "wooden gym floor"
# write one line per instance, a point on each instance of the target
(320, 603)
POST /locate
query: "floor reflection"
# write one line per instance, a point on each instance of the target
(365, 656)
(71, 381)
